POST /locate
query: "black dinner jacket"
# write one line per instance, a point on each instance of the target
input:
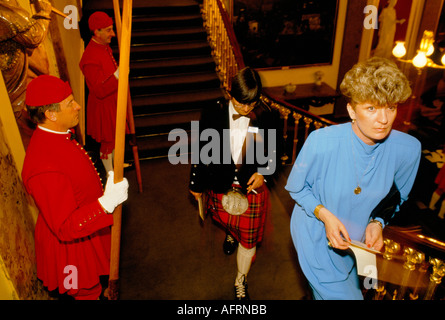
(218, 176)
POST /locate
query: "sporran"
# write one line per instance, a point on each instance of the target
(235, 202)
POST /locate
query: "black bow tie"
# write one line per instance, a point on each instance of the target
(237, 116)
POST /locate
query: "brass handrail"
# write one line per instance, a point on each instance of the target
(222, 40)
(311, 122)
(412, 265)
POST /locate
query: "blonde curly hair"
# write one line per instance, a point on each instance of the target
(377, 81)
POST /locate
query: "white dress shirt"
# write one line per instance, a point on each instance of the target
(238, 132)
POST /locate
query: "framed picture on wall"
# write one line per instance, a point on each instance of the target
(285, 33)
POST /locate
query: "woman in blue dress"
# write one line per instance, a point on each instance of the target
(343, 171)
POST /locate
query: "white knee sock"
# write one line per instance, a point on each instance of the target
(244, 258)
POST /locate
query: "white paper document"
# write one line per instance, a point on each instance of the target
(366, 259)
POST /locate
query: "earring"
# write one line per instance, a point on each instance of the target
(353, 120)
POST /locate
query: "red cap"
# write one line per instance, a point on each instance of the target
(99, 20)
(46, 89)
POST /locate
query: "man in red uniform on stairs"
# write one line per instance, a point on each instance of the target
(72, 233)
(101, 74)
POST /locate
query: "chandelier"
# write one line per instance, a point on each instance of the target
(422, 58)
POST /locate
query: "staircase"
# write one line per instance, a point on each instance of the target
(172, 71)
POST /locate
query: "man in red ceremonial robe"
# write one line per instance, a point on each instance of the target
(101, 74)
(72, 233)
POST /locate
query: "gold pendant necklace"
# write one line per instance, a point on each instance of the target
(358, 190)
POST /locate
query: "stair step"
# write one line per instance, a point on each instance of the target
(162, 130)
(148, 51)
(144, 6)
(167, 118)
(167, 21)
(167, 83)
(166, 102)
(169, 46)
(159, 145)
(158, 36)
(154, 67)
(145, 155)
(159, 142)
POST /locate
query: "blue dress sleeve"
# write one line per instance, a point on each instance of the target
(407, 172)
(302, 178)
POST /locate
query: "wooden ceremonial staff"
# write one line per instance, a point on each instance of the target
(130, 118)
(122, 99)
(60, 13)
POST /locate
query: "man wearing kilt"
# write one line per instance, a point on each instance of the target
(246, 141)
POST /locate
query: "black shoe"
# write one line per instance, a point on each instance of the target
(241, 291)
(229, 245)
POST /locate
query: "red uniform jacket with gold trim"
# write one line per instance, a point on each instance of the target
(98, 66)
(72, 228)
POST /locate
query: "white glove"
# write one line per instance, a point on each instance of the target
(114, 194)
(116, 73)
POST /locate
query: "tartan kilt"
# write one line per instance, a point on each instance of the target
(247, 228)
